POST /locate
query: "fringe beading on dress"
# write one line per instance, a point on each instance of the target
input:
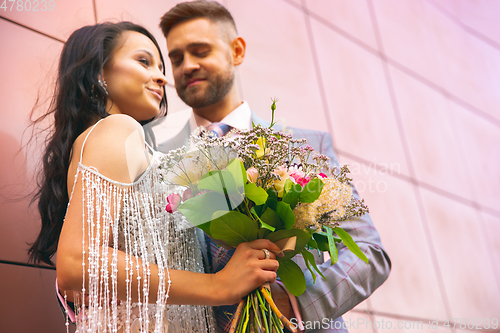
(131, 218)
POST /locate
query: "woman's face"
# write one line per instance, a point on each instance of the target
(134, 77)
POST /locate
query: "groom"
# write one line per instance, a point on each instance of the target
(204, 49)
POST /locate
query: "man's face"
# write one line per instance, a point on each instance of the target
(202, 62)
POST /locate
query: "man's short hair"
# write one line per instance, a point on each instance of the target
(185, 11)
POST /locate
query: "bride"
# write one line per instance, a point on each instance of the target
(127, 265)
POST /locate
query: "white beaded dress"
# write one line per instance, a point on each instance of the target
(142, 228)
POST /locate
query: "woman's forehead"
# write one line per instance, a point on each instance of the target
(131, 41)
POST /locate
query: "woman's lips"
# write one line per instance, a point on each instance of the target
(157, 92)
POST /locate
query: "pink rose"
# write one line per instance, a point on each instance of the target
(173, 202)
(252, 175)
(322, 175)
(188, 194)
(298, 176)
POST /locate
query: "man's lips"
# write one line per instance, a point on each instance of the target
(193, 81)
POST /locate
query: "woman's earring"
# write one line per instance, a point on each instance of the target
(104, 85)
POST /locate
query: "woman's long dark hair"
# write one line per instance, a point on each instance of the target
(79, 100)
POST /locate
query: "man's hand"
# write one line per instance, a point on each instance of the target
(280, 298)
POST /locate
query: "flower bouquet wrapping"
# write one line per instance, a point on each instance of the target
(261, 183)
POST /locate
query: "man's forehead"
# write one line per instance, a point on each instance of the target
(197, 30)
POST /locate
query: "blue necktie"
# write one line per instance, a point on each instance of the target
(218, 129)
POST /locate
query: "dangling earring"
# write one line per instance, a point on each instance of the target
(103, 85)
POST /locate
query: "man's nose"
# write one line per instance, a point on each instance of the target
(190, 65)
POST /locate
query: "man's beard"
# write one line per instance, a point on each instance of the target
(218, 87)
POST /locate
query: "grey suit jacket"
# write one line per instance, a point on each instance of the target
(350, 280)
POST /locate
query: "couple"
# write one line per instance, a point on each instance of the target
(126, 263)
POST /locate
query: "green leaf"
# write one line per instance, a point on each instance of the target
(322, 241)
(292, 277)
(234, 228)
(350, 243)
(309, 257)
(272, 218)
(293, 195)
(288, 185)
(265, 228)
(237, 169)
(309, 268)
(199, 209)
(312, 190)
(263, 233)
(312, 243)
(218, 181)
(302, 239)
(255, 193)
(334, 253)
(286, 214)
(272, 194)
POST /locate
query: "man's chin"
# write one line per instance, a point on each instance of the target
(197, 100)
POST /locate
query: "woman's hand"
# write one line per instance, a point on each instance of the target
(247, 270)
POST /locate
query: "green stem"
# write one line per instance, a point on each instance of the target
(263, 311)
(247, 317)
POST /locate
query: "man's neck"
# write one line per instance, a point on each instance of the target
(218, 111)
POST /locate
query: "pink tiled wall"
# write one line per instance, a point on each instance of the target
(409, 90)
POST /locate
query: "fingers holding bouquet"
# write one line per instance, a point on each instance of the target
(248, 269)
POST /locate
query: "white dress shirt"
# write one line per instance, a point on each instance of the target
(240, 118)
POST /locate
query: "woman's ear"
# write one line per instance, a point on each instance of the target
(238, 46)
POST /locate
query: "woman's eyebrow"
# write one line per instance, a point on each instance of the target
(150, 54)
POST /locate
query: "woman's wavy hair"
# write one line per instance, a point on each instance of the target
(79, 100)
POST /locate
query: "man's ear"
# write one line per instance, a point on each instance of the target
(238, 47)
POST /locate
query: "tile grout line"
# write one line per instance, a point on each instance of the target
(407, 152)
(33, 30)
(24, 264)
(95, 11)
(408, 71)
(464, 26)
(317, 68)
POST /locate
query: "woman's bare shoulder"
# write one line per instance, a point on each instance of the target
(115, 147)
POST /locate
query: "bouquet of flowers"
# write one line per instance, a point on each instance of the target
(261, 183)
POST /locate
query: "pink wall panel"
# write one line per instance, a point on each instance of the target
(350, 16)
(480, 16)
(463, 257)
(394, 210)
(28, 301)
(280, 65)
(467, 63)
(434, 149)
(27, 64)
(407, 38)
(358, 100)
(409, 90)
(480, 143)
